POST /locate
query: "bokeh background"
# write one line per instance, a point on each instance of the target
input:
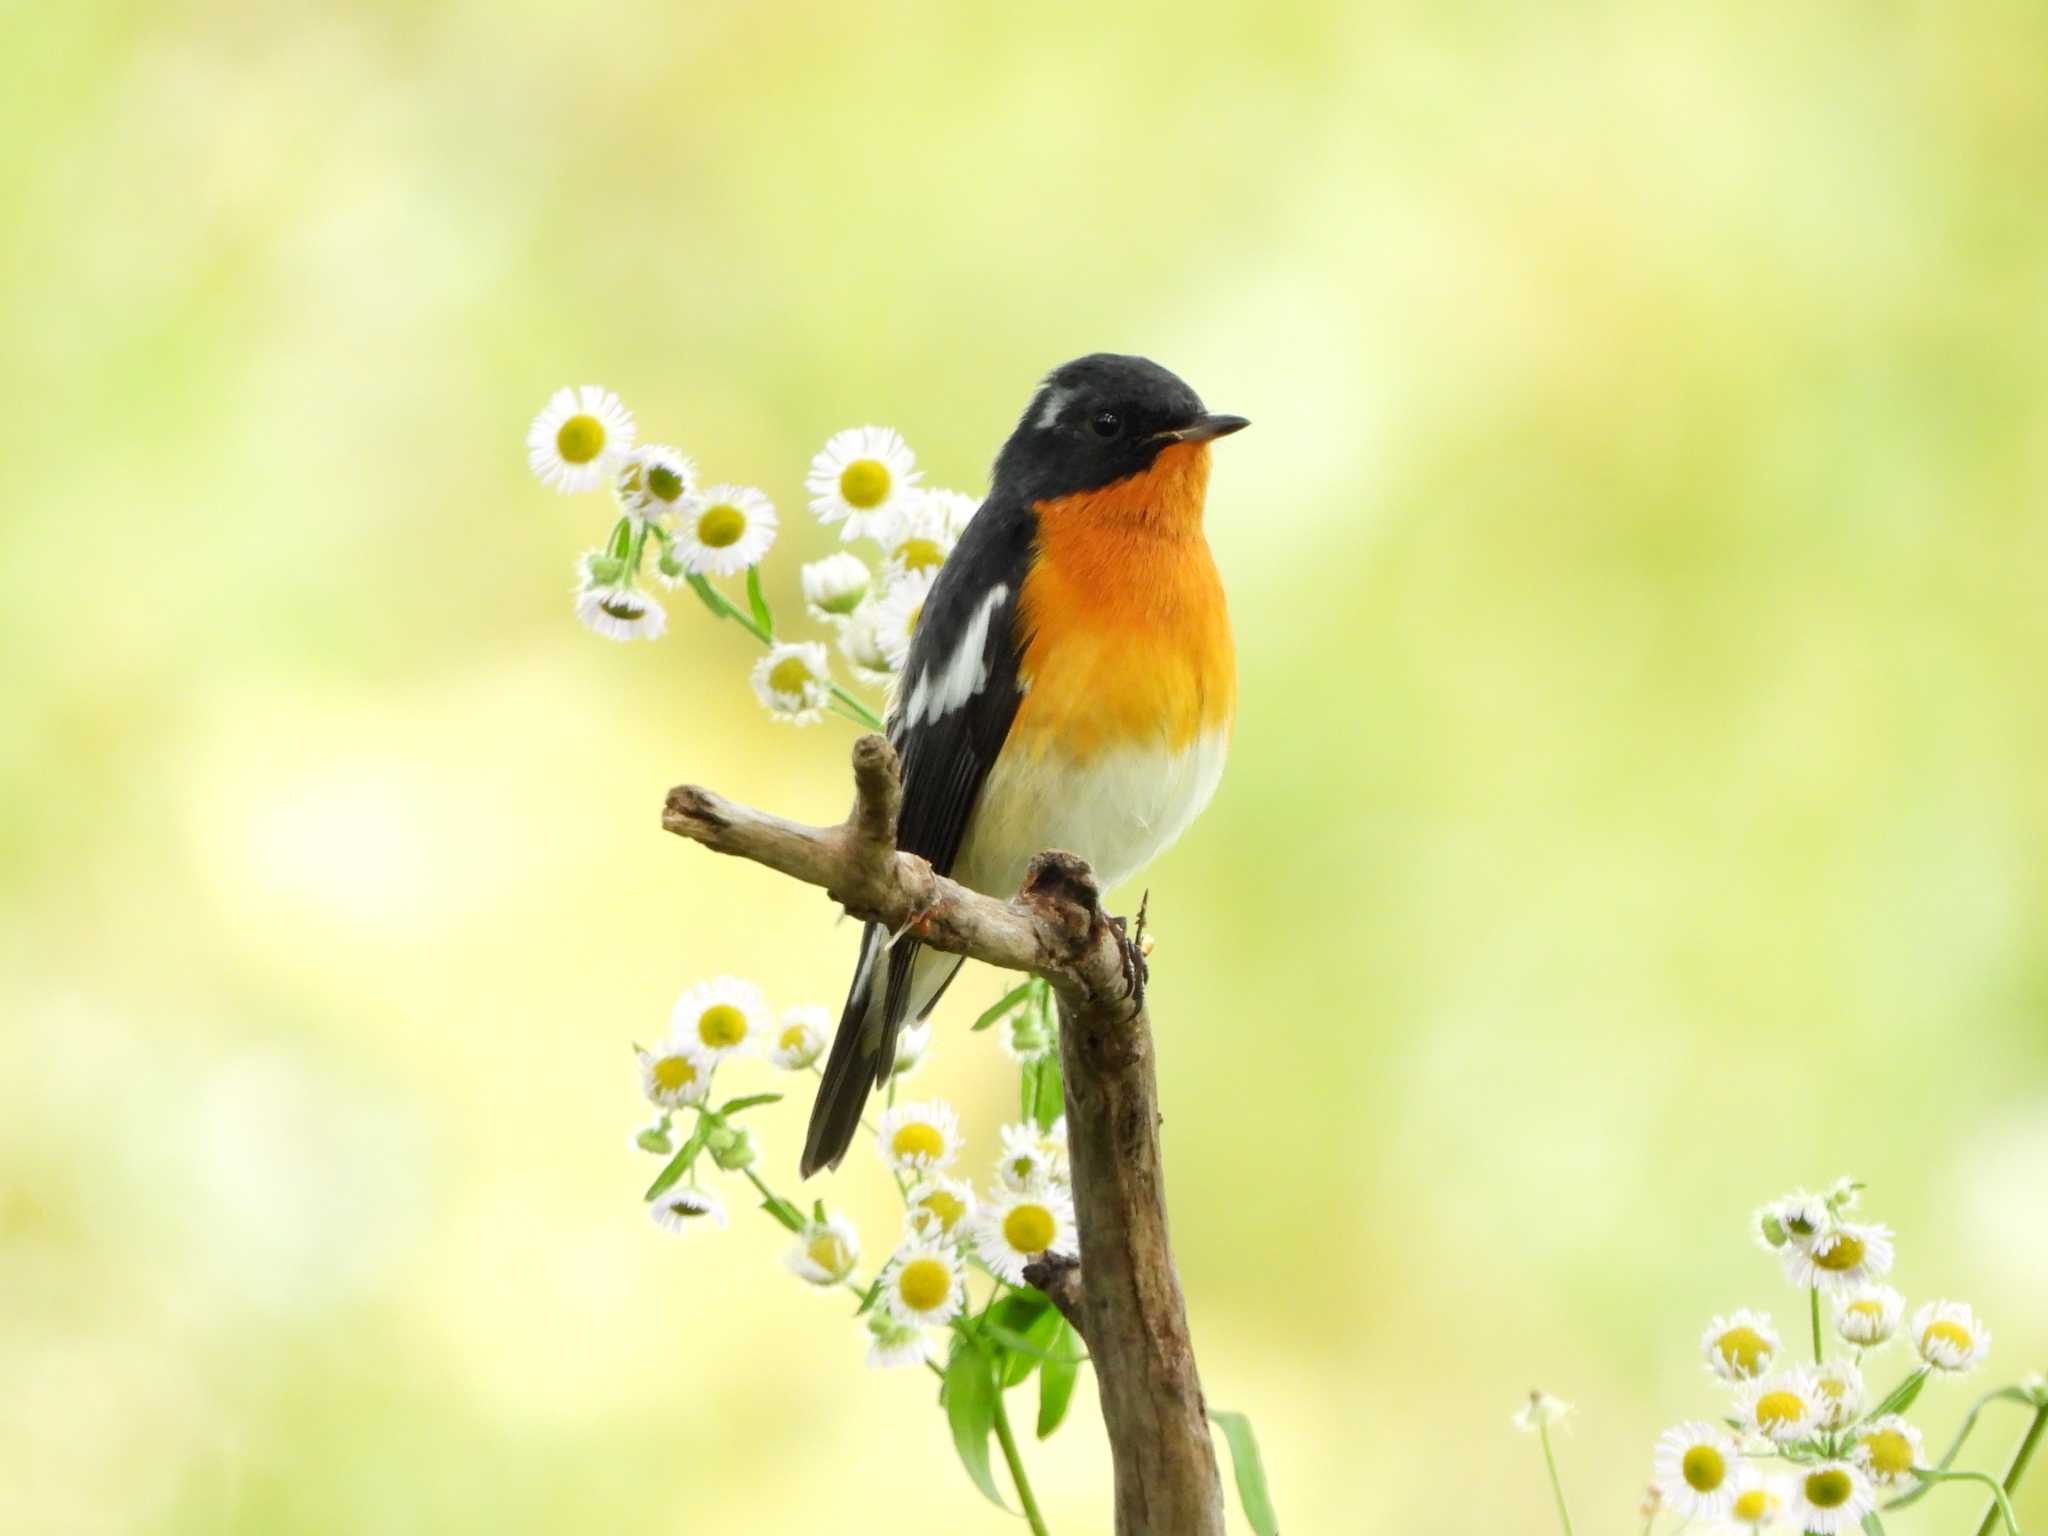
(1638, 805)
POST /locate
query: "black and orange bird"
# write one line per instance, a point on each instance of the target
(1070, 684)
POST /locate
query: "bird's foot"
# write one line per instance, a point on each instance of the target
(1131, 945)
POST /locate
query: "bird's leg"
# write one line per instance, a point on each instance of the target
(1131, 946)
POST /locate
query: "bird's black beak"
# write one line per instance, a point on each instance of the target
(1202, 428)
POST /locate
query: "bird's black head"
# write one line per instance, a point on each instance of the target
(1100, 419)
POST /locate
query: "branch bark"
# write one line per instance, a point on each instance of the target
(1129, 1306)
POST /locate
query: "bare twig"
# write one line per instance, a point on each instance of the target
(1130, 1309)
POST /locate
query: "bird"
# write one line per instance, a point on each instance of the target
(1071, 682)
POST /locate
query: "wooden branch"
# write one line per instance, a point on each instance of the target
(1130, 1308)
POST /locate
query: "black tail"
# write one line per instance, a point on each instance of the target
(861, 1051)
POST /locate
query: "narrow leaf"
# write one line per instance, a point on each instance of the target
(1024, 1325)
(719, 607)
(620, 546)
(1052, 1101)
(867, 1302)
(784, 1212)
(1002, 1005)
(680, 1164)
(970, 1393)
(759, 603)
(1251, 1473)
(1872, 1526)
(1056, 1380)
(751, 1101)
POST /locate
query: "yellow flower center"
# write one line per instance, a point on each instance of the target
(946, 1209)
(924, 1284)
(721, 1025)
(663, 483)
(1021, 1167)
(789, 675)
(1776, 1409)
(1891, 1453)
(1799, 1226)
(1752, 1506)
(1945, 1332)
(792, 1038)
(1870, 1312)
(843, 603)
(1843, 1253)
(920, 554)
(579, 439)
(1828, 1488)
(1747, 1352)
(917, 1139)
(672, 1073)
(720, 527)
(622, 607)
(864, 483)
(1029, 1229)
(1704, 1467)
(828, 1251)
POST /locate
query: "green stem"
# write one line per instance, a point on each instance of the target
(1008, 1442)
(1564, 1515)
(1813, 1300)
(2020, 1458)
(721, 605)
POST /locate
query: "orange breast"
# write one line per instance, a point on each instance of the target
(1129, 639)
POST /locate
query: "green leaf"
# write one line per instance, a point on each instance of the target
(970, 1394)
(751, 1101)
(784, 1212)
(1251, 1473)
(1024, 1323)
(1047, 1101)
(719, 607)
(620, 545)
(1056, 1378)
(867, 1302)
(759, 603)
(2008, 1394)
(1001, 1006)
(680, 1163)
(1873, 1526)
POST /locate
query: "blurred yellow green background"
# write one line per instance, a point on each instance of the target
(1638, 807)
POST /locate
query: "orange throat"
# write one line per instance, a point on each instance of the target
(1128, 635)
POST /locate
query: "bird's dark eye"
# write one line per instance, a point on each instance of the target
(1107, 424)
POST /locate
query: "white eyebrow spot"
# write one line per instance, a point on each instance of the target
(942, 689)
(1052, 402)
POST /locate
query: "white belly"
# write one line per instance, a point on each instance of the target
(1119, 811)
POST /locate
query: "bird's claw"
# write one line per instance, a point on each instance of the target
(1131, 948)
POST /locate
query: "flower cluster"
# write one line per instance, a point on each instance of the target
(864, 482)
(1803, 1446)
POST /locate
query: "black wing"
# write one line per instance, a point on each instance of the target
(955, 701)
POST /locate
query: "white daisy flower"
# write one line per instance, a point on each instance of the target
(793, 681)
(1796, 1219)
(1033, 1158)
(919, 540)
(892, 1344)
(1018, 1226)
(1837, 1392)
(835, 586)
(677, 1074)
(1869, 1314)
(1740, 1346)
(862, 480)
(684, 1210)
(860, 642)
(924, 1284)
(919, 1138)
(939, 1209)
(956, 510)
(1695, 1467)
(825, 1252)
(654, 481)
(724, 529)
(1829, 1497)
(897, 614)
(620, 613)
(1840, 1261)
(912, 1041)
(724, 1016)
(1844, 1195)
(1780, 1407)
(1541, 1411)
(1949, 1335)
(800, 1037)
(1759, 1498)
(1888, 1449)
(577, 437)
